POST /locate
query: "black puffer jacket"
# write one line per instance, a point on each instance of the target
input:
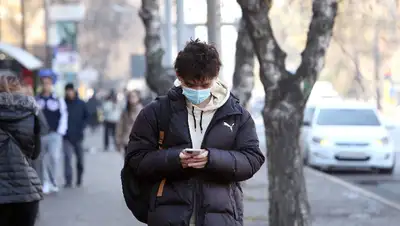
(19, 114)
(234, 156)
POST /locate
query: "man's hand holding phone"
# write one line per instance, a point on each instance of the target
(194, 158)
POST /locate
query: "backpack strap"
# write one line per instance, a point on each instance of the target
(163, 119)
(163, 127)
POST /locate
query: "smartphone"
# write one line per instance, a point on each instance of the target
(192, 151)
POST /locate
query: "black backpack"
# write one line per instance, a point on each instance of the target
(137, 190)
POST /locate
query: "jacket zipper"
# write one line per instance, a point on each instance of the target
(233, 201)
(212, 124)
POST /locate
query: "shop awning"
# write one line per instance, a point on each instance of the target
(23, 57)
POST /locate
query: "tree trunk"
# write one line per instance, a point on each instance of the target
(157, 78)
(243, 77)
(288, 203)
(284, 104)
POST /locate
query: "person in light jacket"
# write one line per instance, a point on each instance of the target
(55, 110)
(112, 112)
(128, 117)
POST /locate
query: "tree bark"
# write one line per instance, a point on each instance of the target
(157, 78)
(243, 77)
(284, 104)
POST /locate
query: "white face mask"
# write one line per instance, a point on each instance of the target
(196, 96)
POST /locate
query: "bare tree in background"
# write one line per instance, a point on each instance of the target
(284, 104)
(158, 78)
(357, 88)
(243, 77)
(102, 28)
(365, 54)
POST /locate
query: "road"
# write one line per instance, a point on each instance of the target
(386, 186)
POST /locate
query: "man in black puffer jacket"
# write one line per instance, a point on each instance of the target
(21, 124)
(198, 188)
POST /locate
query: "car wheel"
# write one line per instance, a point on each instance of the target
(387, 171)
(305, 158)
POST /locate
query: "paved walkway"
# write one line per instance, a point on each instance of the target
(98, 203)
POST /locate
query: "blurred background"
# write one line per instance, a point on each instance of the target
(98, 45)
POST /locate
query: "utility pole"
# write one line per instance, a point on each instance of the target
(46, 6)
(377, 61)
(1, 20)
(214, 23)
(180, 25)
(168, 33)
(23, 27)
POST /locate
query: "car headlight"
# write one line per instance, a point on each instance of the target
(382, 141)
(321, 141)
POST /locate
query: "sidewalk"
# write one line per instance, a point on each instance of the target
(333, 203)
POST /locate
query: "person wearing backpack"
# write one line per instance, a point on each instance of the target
(54, 109)
(164, 183)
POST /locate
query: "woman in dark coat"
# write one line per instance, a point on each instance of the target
(21, 124)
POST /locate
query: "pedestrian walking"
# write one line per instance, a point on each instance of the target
(72, 144)
(189, 150)
(112, 113)
(21, 124)
(93, 105)
(55, 111)
(127, 119)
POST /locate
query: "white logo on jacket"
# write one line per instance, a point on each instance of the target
(229, 126)
(53, 105)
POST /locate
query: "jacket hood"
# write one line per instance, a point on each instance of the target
(15, 106)
(220, 94)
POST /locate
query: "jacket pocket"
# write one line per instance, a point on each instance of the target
(233, 201)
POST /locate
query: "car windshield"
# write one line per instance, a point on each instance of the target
(347, 117)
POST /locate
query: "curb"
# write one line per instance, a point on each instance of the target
(354, 188)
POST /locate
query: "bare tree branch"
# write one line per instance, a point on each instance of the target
(270, 56)
(353, 58)
(318, 39)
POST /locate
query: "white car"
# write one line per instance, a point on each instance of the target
(346, 135)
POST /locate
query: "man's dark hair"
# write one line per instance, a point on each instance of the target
(69, 86)
(198, 61)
